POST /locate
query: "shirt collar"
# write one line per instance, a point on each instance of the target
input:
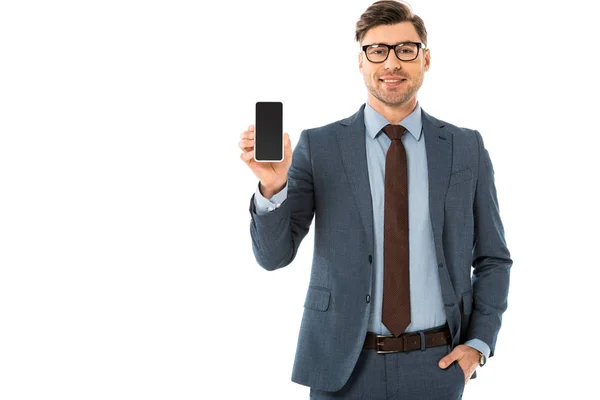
(375, 122)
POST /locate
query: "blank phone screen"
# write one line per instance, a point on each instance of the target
(268, 135)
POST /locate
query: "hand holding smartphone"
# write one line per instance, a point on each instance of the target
(266, 150)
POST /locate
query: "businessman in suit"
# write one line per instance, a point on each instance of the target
(410, 271)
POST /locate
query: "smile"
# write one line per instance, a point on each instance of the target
(392, 82)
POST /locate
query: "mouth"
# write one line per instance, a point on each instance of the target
(392, 82)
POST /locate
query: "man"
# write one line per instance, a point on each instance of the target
(405, 204)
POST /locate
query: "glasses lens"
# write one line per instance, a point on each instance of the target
(407, 52)
(377, 53)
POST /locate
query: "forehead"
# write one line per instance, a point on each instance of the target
(391, 34)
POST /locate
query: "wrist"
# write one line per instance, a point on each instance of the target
(270, 190)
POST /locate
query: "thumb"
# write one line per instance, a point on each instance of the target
(448, 359)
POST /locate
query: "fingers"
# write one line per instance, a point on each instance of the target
(246, 144)
(247, 156)
(248, 134)
(449, 359)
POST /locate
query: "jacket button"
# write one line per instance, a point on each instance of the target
(368, 298)
(370, 259)
(440, 265)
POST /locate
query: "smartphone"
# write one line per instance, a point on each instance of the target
(268, 132)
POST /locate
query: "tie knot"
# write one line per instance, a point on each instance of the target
(394, 131)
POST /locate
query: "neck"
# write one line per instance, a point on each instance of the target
(394, 114)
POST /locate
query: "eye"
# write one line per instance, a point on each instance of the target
(376, 50)
(406, 49)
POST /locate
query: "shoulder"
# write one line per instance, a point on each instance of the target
(453, 129)
(460, 135)
(333, 127)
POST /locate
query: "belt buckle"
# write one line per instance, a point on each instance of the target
(379, 344)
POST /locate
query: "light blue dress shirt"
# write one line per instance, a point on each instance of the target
(427, 306)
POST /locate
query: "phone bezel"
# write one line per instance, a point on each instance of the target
(256, 129)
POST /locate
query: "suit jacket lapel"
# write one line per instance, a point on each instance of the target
(438, 145)
(351, 138)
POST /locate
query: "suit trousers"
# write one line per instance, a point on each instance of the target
(412, 375)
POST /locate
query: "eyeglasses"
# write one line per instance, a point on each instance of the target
(407, 51)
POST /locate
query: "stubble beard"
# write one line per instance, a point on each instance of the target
(394, 97)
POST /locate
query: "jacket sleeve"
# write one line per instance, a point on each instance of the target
(491, 259)
(276, 236)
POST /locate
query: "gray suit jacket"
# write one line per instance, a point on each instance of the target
(328, 180)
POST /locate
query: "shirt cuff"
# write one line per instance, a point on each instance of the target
(480, 346)
(264, 205)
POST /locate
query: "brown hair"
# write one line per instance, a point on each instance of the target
(388, 12)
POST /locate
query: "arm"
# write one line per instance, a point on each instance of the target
(276, 236)
(491, 258)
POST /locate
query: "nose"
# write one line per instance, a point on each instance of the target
(392, 62)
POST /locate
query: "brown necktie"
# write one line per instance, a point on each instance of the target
(396, 280)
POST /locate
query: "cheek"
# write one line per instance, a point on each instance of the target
(367, 74)
(414, 72)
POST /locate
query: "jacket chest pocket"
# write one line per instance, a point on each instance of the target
(460, 176)
(459, 196)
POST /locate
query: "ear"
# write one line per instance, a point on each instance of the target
(360, 61)
(427, 59)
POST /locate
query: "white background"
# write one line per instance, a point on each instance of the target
(126, 266)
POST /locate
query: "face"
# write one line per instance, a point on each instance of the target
(411, 73)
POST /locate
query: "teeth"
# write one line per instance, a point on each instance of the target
(392, 80)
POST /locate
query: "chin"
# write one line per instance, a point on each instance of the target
(396, 98)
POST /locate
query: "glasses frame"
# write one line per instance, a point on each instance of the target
(393, 47)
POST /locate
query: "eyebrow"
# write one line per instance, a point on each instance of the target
(405, 41)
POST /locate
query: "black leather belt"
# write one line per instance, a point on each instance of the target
(407, 341)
